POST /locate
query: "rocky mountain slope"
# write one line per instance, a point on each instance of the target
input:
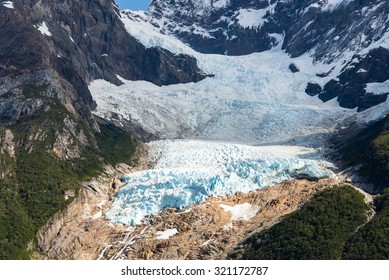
(209, 230)
(329, 30)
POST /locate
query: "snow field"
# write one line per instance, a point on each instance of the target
(251, 99)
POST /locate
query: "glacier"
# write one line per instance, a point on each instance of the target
(235, 120)
(186, 172)
(256, 90)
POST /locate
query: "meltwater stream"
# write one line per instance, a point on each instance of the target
(186, 172)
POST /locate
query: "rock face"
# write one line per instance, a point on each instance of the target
(350, 87)
(237, 27)
(83, 40)
(313, 89)
(51, 50)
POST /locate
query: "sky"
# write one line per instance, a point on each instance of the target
(134, 5)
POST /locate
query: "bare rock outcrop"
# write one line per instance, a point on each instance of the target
(80, 231)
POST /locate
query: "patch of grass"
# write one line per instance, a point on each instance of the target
(318, 230)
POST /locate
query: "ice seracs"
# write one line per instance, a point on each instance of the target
(187, 172)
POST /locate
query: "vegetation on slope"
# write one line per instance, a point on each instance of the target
(319, 230)
(372, 241)
(370, 148)
(36, 181)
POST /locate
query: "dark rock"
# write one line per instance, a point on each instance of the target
(330, 91)
(293, 67)
(313, 89)
(351, 94)
(370, 100)
(350, 89)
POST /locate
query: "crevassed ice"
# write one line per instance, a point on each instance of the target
(223, 170)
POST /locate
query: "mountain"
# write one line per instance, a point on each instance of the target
(329, 30)
(82, 84)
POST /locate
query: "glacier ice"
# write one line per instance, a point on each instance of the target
(251, 99)
(188, 172)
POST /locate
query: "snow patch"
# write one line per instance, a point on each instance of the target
(334, 4)
(362, 71)
(97, 215)
(8, 4)
(250, 18)
(166, 234)
(244, 211)
(378, 88)
(42, 27)
(221, 4)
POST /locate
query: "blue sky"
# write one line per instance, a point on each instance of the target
(134, 5)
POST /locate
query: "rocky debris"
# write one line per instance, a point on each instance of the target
(80, 231)
(208, 230)
(7, 144)
(203, 231)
